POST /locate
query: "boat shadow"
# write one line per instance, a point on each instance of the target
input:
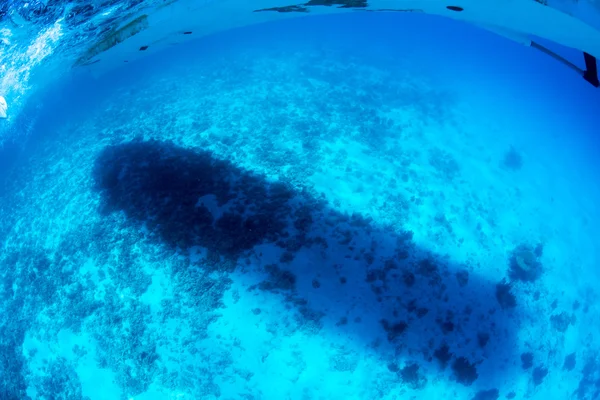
(425, 314)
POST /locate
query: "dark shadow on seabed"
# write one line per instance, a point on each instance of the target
(429, 312)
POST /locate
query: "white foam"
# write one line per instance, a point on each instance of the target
(3, 107)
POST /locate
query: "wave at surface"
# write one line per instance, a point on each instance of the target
(39, 41)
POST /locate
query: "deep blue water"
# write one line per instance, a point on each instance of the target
(359, 206)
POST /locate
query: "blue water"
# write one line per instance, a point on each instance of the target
(361, 206)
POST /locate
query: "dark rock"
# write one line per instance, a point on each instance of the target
(539, 373)
(570, 362)
(410, 376)
(463, 278)
(443, 355)
(492, 394)
(483, 338)
(561, 322)
(465, 372)
(526, 360)
(394, 330)
(505, 298)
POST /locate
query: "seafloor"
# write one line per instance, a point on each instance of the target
(295, 224)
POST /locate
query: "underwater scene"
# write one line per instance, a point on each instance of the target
(363, 205)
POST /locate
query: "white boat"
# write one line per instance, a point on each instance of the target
(152, 28)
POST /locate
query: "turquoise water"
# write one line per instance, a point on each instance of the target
(344, 207)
